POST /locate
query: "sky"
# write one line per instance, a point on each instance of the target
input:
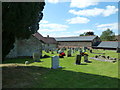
(72, 18)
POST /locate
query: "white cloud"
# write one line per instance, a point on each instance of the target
(51, 27)
(110, 10)
(95, 11)
(43, 21)
(53, 1)
(56, 34)
(78, 20)
(83, 3)
(82, 31)
(111, 26)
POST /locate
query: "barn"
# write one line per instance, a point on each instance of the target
(80, 41)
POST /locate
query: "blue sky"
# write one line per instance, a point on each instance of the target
(64, 19)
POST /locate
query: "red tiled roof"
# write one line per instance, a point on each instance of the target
(39, 37)
(48, 40)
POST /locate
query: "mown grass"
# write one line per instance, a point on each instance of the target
(97, 74)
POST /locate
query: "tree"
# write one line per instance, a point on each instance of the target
(87, 33)
(19, 20)
(107, 35)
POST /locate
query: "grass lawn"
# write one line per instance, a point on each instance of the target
(97, 74)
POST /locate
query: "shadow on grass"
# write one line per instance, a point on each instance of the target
(39, 77)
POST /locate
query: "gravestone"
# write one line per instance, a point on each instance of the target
(84, 49)
(108, 57)
(80, 51)
(55, 62)
(78, 59)
(60, 51)
(47, 50)
(118, 50)
(90, 50)
(96, 56)
(86, 59)
(36, 56)
(73, 51)
(103, 56)
(69, 53)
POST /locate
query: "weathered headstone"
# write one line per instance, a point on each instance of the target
(86, 59)
(108, 57)
(69, 53)
(96, 56)
(55, 62)
(90, 50)
(36, 56)
(78, 59)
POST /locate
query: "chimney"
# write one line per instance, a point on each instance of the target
(47, 36)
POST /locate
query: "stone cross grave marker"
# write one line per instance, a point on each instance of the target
(55, 62)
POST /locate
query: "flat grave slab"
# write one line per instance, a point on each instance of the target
(105, 60)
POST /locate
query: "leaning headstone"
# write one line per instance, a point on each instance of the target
(78, 59)
(69, 53)
(55, 62)
(36, 56)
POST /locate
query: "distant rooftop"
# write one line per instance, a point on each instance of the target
(78, 38)
(109, 44)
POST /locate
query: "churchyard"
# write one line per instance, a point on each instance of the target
(98, 74)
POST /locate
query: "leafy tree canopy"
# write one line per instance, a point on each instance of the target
(87, 33)
(107, 35)
(19, 20)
